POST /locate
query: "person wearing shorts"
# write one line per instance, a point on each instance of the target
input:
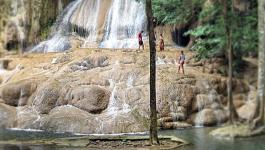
(181, 62)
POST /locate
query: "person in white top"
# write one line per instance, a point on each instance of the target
(181, 62)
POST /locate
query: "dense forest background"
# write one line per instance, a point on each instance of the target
(205, 25)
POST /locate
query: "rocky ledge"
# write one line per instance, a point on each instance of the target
(103, 91)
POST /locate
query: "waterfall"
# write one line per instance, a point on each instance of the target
(86, 17)
(59, 40)
(98, 23)
(125, 19)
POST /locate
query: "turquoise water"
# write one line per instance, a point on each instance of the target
(199, 139)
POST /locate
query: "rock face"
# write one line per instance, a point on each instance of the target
(208, 117)
(107, 92)
(247, 111)
(18, 93)
(46, 97)
(91, 99)
(27, 22)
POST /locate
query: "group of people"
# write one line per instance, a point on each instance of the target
(161, 44)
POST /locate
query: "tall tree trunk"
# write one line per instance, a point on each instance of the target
(233, 116)
(259, 116)
(153, 115)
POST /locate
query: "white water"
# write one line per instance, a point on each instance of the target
(87, 17)
(59, 40)
(212, 99)
(126, 19)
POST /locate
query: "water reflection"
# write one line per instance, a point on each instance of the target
(201, 140)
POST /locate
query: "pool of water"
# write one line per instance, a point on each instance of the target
(199, 139)
(28, 135)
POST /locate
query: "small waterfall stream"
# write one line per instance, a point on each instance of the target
(59, 40)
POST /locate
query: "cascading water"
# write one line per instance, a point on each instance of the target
(100, 23)
(126, 18)
(59, 40)
(86, 17)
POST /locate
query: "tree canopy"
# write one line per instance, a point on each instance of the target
(209, 25)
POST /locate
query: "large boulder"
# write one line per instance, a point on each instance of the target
(238, 103)
(27, 118)
(68, 119)
(71, 119)
(92, 99)
(7, 116)
(18, 93)
(46, 97)
(208, 117)
(172, 96)
(247, 111)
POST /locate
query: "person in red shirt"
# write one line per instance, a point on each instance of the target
(140, 40)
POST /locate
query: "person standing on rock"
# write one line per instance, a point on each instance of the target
(181, 62)
(161, 43)
(140, 40)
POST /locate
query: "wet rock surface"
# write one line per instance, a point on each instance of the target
(108, 92)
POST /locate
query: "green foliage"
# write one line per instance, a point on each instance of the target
(245, 36)
(210, 36)
(211, 33)
(173, 11)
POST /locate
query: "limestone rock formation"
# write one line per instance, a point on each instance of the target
(92, 99)
(247, 111)
(7, 116)
(108, 92)
(208, 117)
(46, 97)
(27, 22)
(18, 93)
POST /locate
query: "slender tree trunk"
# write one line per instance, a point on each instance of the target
(153, 115)
(259, 116)
(233, 116)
